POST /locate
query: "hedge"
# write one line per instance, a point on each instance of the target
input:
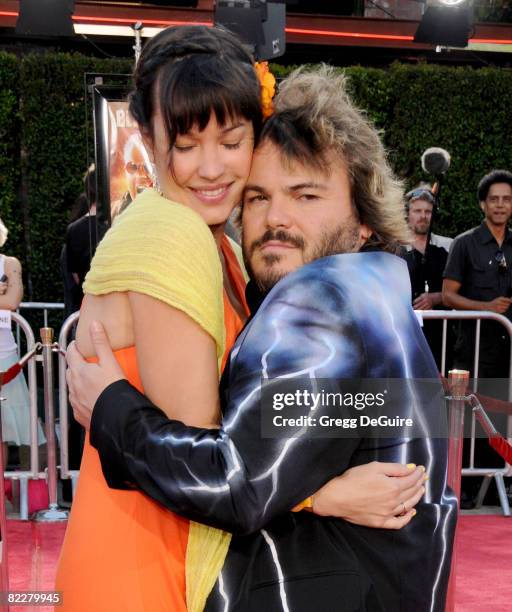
(43, 141)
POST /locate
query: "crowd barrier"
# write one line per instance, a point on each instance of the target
(64, 335)
(33, 473)
(470, 470)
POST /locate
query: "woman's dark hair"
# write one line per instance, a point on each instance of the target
(192, 71)
(496, 176)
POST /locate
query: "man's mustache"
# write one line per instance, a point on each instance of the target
(279, 235)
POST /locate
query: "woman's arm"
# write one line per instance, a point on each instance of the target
(10, 300)
(174, 352)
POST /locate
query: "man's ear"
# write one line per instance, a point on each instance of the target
(482, 206)
(365, 233)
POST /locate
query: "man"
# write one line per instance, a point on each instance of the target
(478, 277)
(317, 316)
(426, 262)
(82, 237)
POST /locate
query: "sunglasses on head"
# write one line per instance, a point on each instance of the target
(421, 194)
(502, 262)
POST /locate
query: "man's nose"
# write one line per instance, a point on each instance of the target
(280, 213)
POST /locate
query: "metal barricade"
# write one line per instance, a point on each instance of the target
(488, 473)
(23, 476)
(65, 331)
(53, 512)
(44, 306)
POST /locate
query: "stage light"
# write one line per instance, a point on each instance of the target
(444, 25)
(452, 2)
(45, 18)
(259, 23)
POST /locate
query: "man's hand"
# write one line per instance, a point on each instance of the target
(86, 381)
(426, 301)
(377, 494)
(499, 305)
(3, 287)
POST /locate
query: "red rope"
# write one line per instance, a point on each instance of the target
(10, 374)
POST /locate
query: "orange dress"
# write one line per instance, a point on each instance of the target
(122, 551)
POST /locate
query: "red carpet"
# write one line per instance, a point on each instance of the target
(484, 561)
(484, 564)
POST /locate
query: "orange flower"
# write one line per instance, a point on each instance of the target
(268, 87)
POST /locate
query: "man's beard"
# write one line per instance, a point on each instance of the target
(344, 239)
(421, 229)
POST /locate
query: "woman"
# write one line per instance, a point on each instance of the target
(156, 284)
(15, 398)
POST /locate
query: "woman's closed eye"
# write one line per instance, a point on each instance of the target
(232, 145)
(183, 148)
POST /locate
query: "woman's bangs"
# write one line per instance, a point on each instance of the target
(190, 96)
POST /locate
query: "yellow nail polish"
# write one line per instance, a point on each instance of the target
(425, 477)
(411, 466)
(423, 468)
(414, 513)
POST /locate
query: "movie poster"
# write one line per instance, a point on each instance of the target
(128, 161)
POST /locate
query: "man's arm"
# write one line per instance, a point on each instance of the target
(427, 301)
(233, 477)
(453, 299)
(454, 274)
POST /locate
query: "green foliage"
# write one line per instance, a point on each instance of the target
(463, 110)
(43, 141)
(54, 138)
(10, 211)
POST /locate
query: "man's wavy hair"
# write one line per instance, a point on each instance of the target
(314, 118)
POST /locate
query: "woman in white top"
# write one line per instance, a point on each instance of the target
(15, 403)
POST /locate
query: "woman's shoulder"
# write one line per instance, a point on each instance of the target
(11, 263)
(155, 225)
(152, 211)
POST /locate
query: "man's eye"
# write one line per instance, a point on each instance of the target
(255, 198)
(232, 145)
(308, 196)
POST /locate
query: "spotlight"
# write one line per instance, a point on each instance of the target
(45, 18)
(447, 24)
(259, 23)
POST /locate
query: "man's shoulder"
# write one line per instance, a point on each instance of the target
(343, 280)
(467, 235)
(81, 225)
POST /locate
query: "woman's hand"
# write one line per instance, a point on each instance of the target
(377, 494)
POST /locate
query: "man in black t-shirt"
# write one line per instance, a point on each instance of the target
(478, 277)
(426, 263)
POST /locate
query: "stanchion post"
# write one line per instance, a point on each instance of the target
(458, 381)
(54, 513)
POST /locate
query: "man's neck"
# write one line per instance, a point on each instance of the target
(420, 242)
(498, 231)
